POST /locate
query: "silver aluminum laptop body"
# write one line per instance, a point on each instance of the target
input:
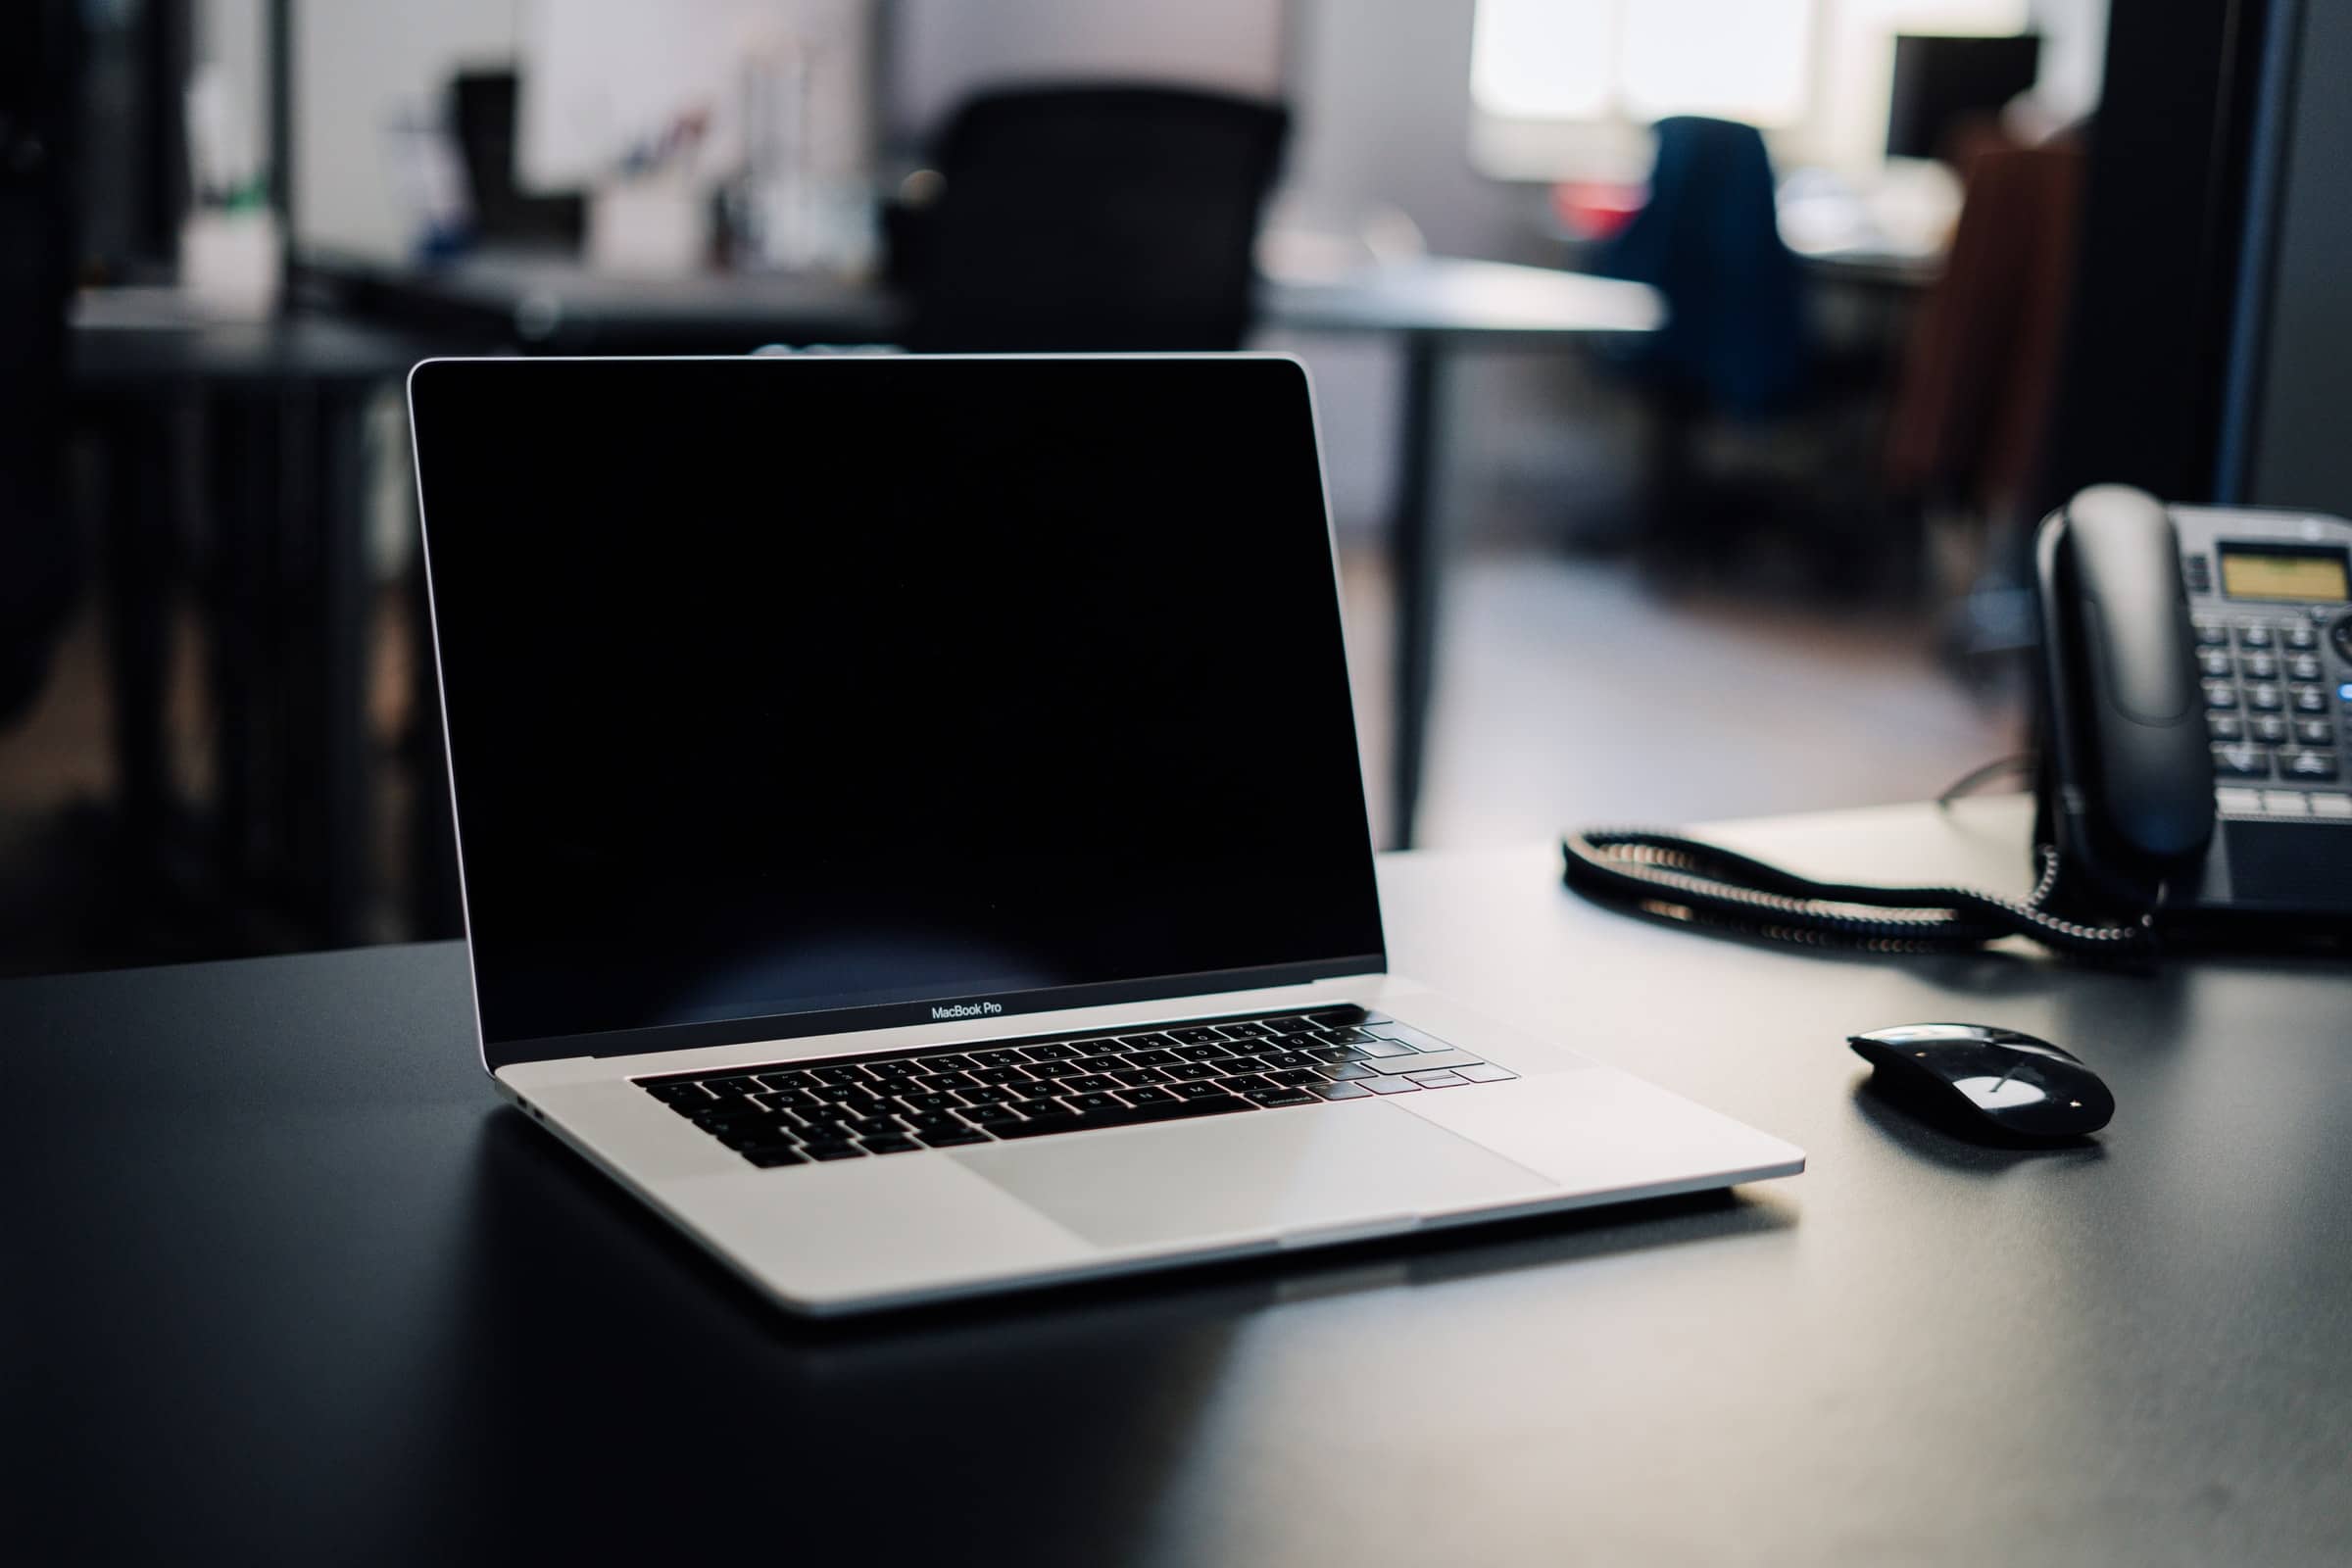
(838, 1235)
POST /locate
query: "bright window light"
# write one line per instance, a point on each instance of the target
(1733, 59)
(1639, 58)
(1544, 59)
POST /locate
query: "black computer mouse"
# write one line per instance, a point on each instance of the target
(1994, 1082)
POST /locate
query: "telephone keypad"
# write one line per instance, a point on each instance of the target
(2241, 762)
(2274, 678)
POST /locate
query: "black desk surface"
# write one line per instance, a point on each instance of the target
(284, 1281)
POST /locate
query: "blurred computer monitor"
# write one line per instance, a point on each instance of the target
(1940, 81)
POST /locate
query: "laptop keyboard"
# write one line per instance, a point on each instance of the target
(947, 1096)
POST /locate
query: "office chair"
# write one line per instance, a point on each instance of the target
(1755, 433)
(39, 75)
(1089, 217)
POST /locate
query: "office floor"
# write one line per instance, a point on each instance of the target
(1569, 692)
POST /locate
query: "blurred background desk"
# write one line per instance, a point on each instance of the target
(294, 1286)
(1434, 307)
(235, 450)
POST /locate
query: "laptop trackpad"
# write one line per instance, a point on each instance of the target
(1248, 1175)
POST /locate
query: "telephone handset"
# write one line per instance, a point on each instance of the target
(2196, 778)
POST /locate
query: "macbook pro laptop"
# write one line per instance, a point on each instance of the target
(912, 832)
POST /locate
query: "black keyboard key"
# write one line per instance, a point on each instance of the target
(950, 1062)
(1200, 1091)
(1146, 1042)
(1101, 1063)
(1056, 1053)
(845, 1094)
(677, 1091)
(986, 1095)
(1336, 1054)
(1147, 1096)
(775, 1154)
(759, 1136)
(1043, 1106)
(1282, 1097)
(841, 1149)
(793, 1100)
(1193, 1071)
(951, 1140)
(1087, 1103)
(1002, 1057)
(895, 1143)
(874, 1127)
(927, 1100)
(1297, 1078)
(1052, 1071)
(895, 1070)
(1129, 1116)
(1246, 1031)
(1301, 1039)
(1093, 1083)
(846, 1073)
(1344, 1037)
(1344, 1092)
(951, 1080)
(1138, 1077)
(1243, 1083)
(999, 1075)
(1289, 1058)
(1346, 1017)
(1152, 1059)
(1233, 1065)
(991, 1115)
(1216, 1052)
(787, 1078)
(1349, 1071)
(1195, 1037)
(1110, 1047)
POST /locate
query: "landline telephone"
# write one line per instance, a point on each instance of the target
(2194, 774)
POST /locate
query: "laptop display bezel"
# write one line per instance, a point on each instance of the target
(495, 1055)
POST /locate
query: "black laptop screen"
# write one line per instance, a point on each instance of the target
(782, 687)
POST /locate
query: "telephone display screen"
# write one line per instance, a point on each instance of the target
(2285, 571)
